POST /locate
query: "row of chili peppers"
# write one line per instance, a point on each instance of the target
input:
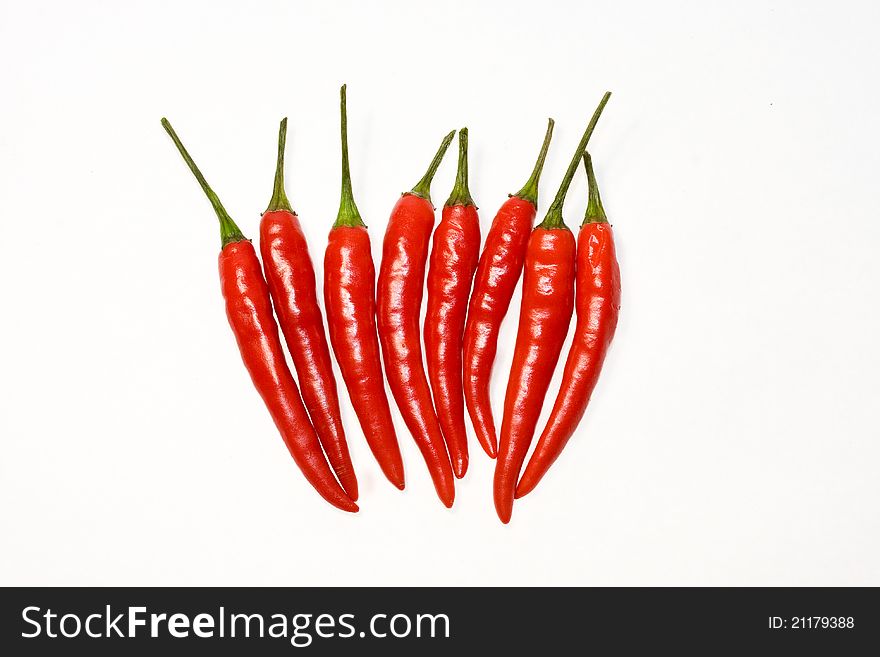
(468, 297)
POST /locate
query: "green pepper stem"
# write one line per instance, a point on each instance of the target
(348, 214)
(529, 192)
(279, 197)
(423, 187)
(595, 212)
(229, 232)
(461, 195)
(554, 219)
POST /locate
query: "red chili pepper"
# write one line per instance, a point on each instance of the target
(497, 273)
(350, 301)
(291, 279)
(597, 303)
(454, 254)
(399, 301)
(249, 311)
(548, 297)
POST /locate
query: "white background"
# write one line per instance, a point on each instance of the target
(733, 438)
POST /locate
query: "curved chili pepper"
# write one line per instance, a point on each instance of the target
(350, 301)
(249, 310)
(597, 303)
(399, 300)
(547, 303)
(454, 253)
(291, 279)
(497, 273)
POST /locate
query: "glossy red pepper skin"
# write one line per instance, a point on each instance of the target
(399, 300)
(598, 305)
(249, 311)
(597, 302)
(498, 271)
(454, 255)
(350, 302)
(455, 250)
(291, 279)
(547, 304)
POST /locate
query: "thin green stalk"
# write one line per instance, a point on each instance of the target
(595, 212)
(348, 214)
(461, 195)
(229, 232)
(553, 219)
(279, 197)
(423, 187)
(529, 192)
